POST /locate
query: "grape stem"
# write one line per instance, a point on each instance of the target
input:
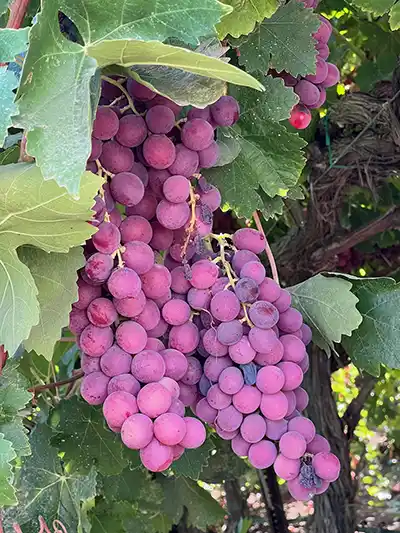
(101, 170)
(268, 250)
(130, 105)
(56, 384)
(192, 225)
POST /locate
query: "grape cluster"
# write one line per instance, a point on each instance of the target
(311, 89)
(172, 316)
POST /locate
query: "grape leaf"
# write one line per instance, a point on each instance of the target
(55, 278)
(229, 148)
(394, 17)
(3, 6)
(192, 462)
(106, 518)
(376, 7)
(7, 491)
(123, 33)
(244, 16)
(283, 42)
(10, 155)
(85, 440)
(182, 492)
(328, 306)
(8, 82)
(12, 42)
(17, 434)
(133, 486)
(376, 341)
(223, 464)
(42, 214)
(47, 489)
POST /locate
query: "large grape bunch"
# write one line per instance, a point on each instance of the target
(311, 89)
(171, 316)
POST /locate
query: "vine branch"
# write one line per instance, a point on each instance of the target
(17, 13)
(268, 250)
(352, 414)
(56, 384)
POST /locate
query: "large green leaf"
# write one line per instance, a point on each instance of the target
(283, 42)
(7, 491)
(394, 17)
(223, 464)
(328, 306)
(182, 492)
(54, 96)
(244, 16)
(377, 339)
(85, 440)
(12, 42)
(55, 278)
(47, 489)
(42, 214)
(192, 462)
(106, 518)
(8, 82)
(134, 486)
(376, 7)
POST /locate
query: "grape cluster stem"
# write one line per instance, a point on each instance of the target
(130, 105)
(268, 250)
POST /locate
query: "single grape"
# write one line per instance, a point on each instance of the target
(290, 320)
(136, 228)
(293, 348)
(262, 454)
(263, 314)
(176, 312)
(186, 162)
(116, 158)
(274, 406)
(117, 407)
(226, 435)
(156, 282)
(284, 301)
(131, 337)
(212, 345)
(225, 111)
(249, 239)
(159, 151)
(247, 290)
(320, 73)
(115, 361)
(176, 189)
(86, 294)
(242, 352)
(164, 299)
(154, 400)
(230, 333)
(263, 340)
(196, 112)
(253, 428)
(333, 76)
(101, 312)
(127, 188)
(78, 321)
(205, 412)
(94, 388)
(293, 375)
(137, 431)
(177, 451)
(230, 380)
(324, 31)
(90, 364)
(195, 433)
(229, 418)
(304, 426)
(124, 283)
(292, 445)
(323, 50)
(146, 208)
(138, 256)
(269, 290)
(162, 100)
(224, 306)
(247, 400)
(193, 373)
(172, 216)
(177, 407)
(305, 363)
(319, 444)
(97, 148)
(160, 119)
(157, 178)
(169, 428)
(184, 338)
(156, 457)
(179, 283)
(99, 267)
(95, 341)
(239, 446)
(218, 399)
(204, 274)
(188, 394)
(132, 131)
(171, 385)
(291, 398)
(162, 237)
(148, 366)
(150, 316)
(123, 382)
(212, 197)
(276, 428)
(209, 156)
(107, 239)
(106, 123)
(197, 134)
(286, 468)
(138, 91)
(326, 466)
(159, 330)
(241, 257)
(270, 379)
(176, 364)
(301, 398)
(214, 366)
(306, 334)
(254, 270)
(130, 307)
(199, 298)
(307, 92)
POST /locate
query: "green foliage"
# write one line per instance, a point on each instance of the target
(329, 308)
(245, 15)
(283, 42)
(7, 491)
(381, 7)
(12, 42)
(193, 462)
(8, 83)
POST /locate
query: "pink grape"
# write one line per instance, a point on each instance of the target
(184, 338)
(270, 379)
(323, 50)
(226, 435)
(262, 454)
(186, 162)
(247, 400)
(263, 314)
(218, 399)
(157, 178)
(137, 431)
(169, 428)
(196, 112)
(153, 400)
(293, 375)
(204, 274)
(197, 134)
(269, 290)
(250, 240)
(239, 446)
(176, 364)
(162, 100)
(95, 341)
(188, 394)
(179, 283)
(177, 451)
(172, 386)
(305, 363)
(150, 316)
(321, 72)
(253, 270)
(286, 468)
(159, 330)
(304, 426)
(131, 337)
(139, 91)
(324, 31)
(212, 197)
(272, 357)
(156, 282)
(293, 348)
(253, 428)
(156, 457)
(193, 373)
(138, 256)
(115, 361)
(78, 321)
(224, 306)
(94, 388)
(164, 299)
(276, 428)
(176, 189)
(333, 76)
(176, 312)
(119, 406)
(229, 333)
(326, 466)
(301, 398)
(199, 298)
(274, 406)
(132, 131)
(205, 412)
(160, 119)
(123, 382)
(195, 433)
(284, 301)
(214, 366)
(319, 444)
(298, 491)
(177, 407)
(229, 418)
(116, 158)
(101, 312)
(291, 398)
(263, 340)
(86, 294)
(106, 123)
(290, 320)
(127, 188)
(172, 216)
(146, 208)
(90, 364)
(159, 151)
(307, 92)
(98, 267)
(136, 228)
(225, 111)
(231, 380)
(130, 307)
(212, 345)
(306, 334)
(97, 147)
(209, 156)
(148, 366)
(242, 352)
(292, 445)
(124, 283)
(107, 239)
(220, 284)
